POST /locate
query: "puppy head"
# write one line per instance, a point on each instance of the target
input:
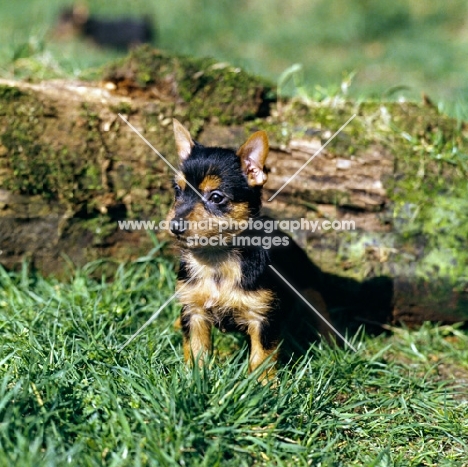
(216, 188)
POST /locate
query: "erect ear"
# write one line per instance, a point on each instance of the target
(253, 154)
(183, 140)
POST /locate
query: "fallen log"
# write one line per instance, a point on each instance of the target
(71, 168)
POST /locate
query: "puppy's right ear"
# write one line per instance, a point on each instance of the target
(253, 154)
(183, 140)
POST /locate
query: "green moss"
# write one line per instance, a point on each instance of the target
(207, 88)
(33, 168)
(430, 192)
(122, 108)
(101, 227)
(10, 93)
(53, 171)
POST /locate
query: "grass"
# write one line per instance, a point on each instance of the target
(68, 397)
(392, 50)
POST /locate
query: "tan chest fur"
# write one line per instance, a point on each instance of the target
(216, 291)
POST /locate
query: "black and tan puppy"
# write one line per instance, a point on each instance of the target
(119, 33)
(224, 278)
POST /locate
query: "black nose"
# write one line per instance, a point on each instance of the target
(177, 226)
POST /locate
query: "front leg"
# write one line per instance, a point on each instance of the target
(196, 328)
(263, 343)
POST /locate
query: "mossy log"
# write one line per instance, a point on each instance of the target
(70, 168)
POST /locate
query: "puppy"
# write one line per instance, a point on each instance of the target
(225, 279)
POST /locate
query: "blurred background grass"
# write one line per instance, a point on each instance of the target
(366, 48)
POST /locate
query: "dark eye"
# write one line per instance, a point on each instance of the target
(216, 198)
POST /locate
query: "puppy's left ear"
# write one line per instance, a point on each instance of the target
(253, 154)
(183, 140)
